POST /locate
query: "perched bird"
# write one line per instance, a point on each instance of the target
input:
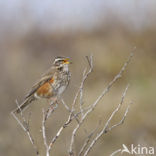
(51, 85)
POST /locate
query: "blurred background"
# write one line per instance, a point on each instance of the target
(32, 33)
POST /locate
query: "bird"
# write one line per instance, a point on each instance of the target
(51, 84)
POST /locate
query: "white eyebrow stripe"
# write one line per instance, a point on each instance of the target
(58, 59)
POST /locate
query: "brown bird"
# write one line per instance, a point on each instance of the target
(51, 85)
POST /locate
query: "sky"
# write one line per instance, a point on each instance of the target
(85, 14)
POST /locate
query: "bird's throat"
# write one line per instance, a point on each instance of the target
(64, 68)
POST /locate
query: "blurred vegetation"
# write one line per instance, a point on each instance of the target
(24, 57)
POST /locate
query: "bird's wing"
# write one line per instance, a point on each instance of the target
(45, 78)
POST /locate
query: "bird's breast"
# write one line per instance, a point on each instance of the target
(61, 82)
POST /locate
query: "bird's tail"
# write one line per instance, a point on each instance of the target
(25, 103)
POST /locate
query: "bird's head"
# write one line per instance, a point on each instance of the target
(61, 62)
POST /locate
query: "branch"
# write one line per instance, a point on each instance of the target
(25, 127)
(44, 132)
(68, 121)
(105, 128)
(46, 115)
(86, 143)
(84, 78)
(70, 111)
(114, 153)
(92, 107)
(88, 139)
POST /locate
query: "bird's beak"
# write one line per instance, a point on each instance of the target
(66, 61)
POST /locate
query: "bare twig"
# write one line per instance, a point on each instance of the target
(81, 93)
(70, 111)
(85, 75)
(105, 128)
(114, 153)
(44, 132)
(84, 78)
(106, 90)
(88, 139)
(121, 121)
(65, 105)
(46, 115)
(68, 121)
(51, 109)
(26, 128)
(86, 143)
